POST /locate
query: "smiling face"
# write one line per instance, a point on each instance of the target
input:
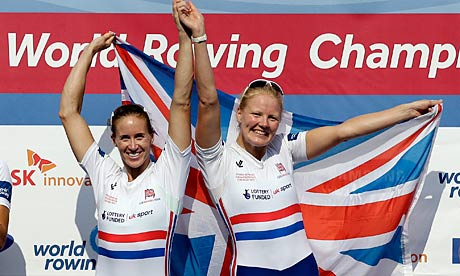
(133, 141)
(258, 119)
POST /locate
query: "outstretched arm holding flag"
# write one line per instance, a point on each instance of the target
(321, 139)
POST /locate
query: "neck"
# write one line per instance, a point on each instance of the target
(257, 152)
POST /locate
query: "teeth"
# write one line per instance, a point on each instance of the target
(133, 154)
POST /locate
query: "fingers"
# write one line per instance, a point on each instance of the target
(102, 42)
(191, 6)
(109, 36)
(435, 102)
(181, 7)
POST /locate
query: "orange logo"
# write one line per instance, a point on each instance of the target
(34, 160)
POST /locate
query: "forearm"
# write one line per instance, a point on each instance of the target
(189, 20)
(179, 124)
(74, 87)
(371, 122)
(208, 125)
(76, 128)
(204, 72)
(183, 79)
(321, 139)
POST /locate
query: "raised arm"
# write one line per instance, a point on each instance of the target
(179, 120)
(208, 125)
(322, 139)
(76, 128)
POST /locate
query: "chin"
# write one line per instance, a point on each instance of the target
(134, 164)
(260, 144)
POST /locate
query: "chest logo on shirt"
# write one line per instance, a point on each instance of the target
(110, 199)
(281, 169)
(282, 188)
(113, 185)
(113, 217)
(245, 177)
(292, 136)
(149, 193)
(149, 196)
(141, 214)
(257, 194)
(239, 164)
(265, 194)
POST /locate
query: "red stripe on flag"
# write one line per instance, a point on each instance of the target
(369, 166)
(143, 82)
(233, 240)
(261, 217)
(196, 188)
(186, 211)
(347, 222)
(325, 272)
(126, 238)
(225, 270)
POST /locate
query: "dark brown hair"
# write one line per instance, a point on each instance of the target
(130, 109)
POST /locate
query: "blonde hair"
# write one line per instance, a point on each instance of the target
(249, 93)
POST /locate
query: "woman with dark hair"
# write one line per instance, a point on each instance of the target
(138, 203)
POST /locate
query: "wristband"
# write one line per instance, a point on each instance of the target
(199, 39)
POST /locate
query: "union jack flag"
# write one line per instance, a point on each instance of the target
(355, 199)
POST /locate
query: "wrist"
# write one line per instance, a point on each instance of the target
(183, 35)
(199, 39)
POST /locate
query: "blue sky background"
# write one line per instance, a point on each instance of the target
(235, 6)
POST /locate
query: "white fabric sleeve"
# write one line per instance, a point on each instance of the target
(297, 146)
(175, 167)
(97, 164)
(212, 167)
(6, 189)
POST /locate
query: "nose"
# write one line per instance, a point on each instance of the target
(263, 122)
(132, 144)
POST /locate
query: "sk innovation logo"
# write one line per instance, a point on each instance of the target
(41, 171)
(42, 164)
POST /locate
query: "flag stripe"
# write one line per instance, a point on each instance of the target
(347, 222)
(395, 176)
(224, 215)
(367, 167)
(196, 188)
(270, 234)
(143, 82)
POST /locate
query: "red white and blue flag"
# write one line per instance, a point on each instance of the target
(355, 198)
